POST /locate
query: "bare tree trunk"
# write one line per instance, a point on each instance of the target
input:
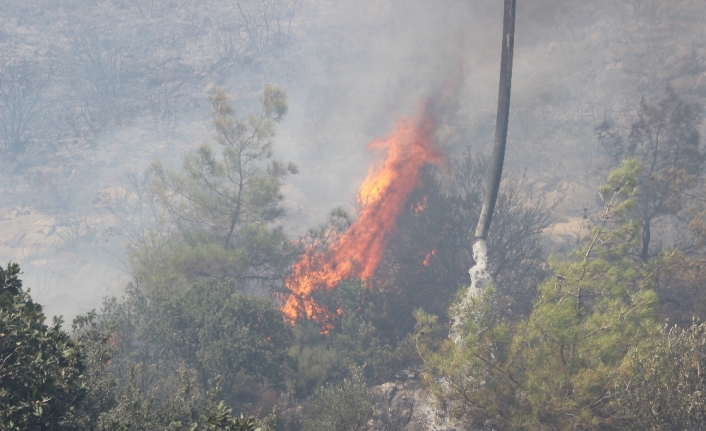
(646, 237)
(501, 122)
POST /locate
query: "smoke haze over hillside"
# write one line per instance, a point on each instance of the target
(351, 69)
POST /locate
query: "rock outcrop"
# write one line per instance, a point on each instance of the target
(402, 405)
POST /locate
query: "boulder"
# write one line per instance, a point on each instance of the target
(402, 405)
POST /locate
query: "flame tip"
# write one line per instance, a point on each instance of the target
(358, 251)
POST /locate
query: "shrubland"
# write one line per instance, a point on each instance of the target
(570, 341)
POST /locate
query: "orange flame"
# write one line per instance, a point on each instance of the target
(420, 206)
(427, 258)
(358, 251)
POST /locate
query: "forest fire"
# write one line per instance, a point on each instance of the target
(427, 258)
(358, 251)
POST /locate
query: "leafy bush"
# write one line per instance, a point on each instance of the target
(40, 369)
(339, 408)
(353, 342)
(209, 329)
(665, 388)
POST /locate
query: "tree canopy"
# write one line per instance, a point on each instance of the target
(666, 140)
(40, 365)
(562, 367)
(222, 206)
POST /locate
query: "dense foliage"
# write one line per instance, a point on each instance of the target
(40, 365)
(664, 387)
(53, 382)
(590, 352)
(224, 338)
(344, 408)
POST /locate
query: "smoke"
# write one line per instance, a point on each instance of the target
(359, 250)
(479, 279)
(364, 65)
(478, 272)
(351, 67)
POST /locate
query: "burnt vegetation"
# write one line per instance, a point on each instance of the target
(428, 258)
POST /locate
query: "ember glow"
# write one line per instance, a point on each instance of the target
(428, 257)
(358, 251)
(419, 207)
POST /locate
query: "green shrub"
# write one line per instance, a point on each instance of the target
(339, 408)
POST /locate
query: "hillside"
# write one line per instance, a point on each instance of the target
(120, 83)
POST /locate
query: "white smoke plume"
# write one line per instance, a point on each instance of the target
(478, 272)
(435, 419)
(479, 279)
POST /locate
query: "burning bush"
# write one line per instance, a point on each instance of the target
(358, 251)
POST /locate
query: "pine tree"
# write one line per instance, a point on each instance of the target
(559, 368)
(222, 208)
(666, 140)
